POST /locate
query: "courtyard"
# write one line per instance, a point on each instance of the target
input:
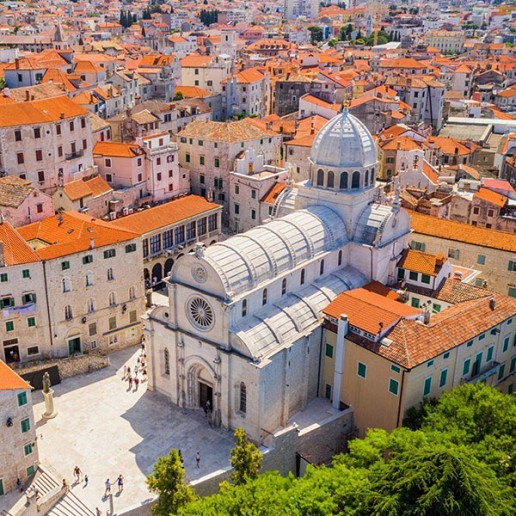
(107, 430)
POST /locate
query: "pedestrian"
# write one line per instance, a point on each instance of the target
(198, 459)
(143, 346)
(19, 485)
(136, 369)
(36, 492)
(128, 371)
(130, 379)
(208, 405)
(98, 511)
(85, 480)
(66, 487)
(77, 473)
(125, 372)
(107, 491)
(144, 373)
(205, 408)
(120, 482)
(136, 383)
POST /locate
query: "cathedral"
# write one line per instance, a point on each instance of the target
(242, 329)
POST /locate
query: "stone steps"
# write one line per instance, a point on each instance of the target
(70, 505)
(44, 481)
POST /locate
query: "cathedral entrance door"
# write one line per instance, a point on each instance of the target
(205, 394)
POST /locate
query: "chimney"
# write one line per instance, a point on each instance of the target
(27, 95)
(492, 303)
(62, 115)
(92, 243)
(426, 314)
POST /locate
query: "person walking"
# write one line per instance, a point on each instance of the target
(125, 372)
(120, 483)
(198, 459)
(136, 383)
(98, 511)
(77, 473)
(66, 487)
(86, 480)
(130, 380)
(107, 491)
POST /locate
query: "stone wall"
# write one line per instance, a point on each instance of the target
(71, 366)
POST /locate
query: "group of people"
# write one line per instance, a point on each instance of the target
(119, 482)
(133, 376)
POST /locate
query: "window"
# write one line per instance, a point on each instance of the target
(187, 157)
(212, 222)
(253, 214)
(284, 287)
(512, 292)
(83, 123)
(481, 259)
(19, 158)
(39, 155)
(395, 368)
(25, 425)
(66, 284)
(72, 126)
(446, 355)
(320, 177)
(237, 210)
(469, 344)
(244, 307)
(264, 296)
(30, 471)
(201, 160)
(22, 399)
(191, 230)
(29, 298)
(26, 273)
(329, 350)
(430, 363)
(132, 293)
(436, 308)
(155, 244)
(166, 356)
(132, 316)
(512, 266)
(68, 312)
(501, 372)
(31, 322)
(17, 136)
(355, 180)
(427, 386)
(92, 329)
(330, 179)
(302, 281)
(343, 181)
(415, 302)
(321, 268)
(107, 162)
(490, 351)
(413, 275)
(41, 176)
(243, 398)
(4, 277)
(33, 350)
(418, 246)
(158, 176)
(425, 278)
(453, 253)
(339, 261)
(87, 259)
(505, 344)
(513, 365)
(394, 386)
(130, 248)
(109, 178)
(179, 233)
(217, 163)
(58, 129)
(27, 449)
(443, 377)
(466, 366)
(110, 275)
(361, 370)
(6, 302)
(482, 337)
(109, 253)
(91, 306)
(112, 323)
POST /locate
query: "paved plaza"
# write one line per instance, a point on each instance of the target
(107, 430)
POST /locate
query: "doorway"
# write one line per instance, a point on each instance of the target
(74, 345)
(11, 351)
(205, 394)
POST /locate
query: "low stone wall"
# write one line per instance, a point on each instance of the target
(71, 366)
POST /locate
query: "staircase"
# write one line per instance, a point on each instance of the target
(44, 481)
(70, 505)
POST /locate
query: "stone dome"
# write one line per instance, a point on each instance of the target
(344, 142)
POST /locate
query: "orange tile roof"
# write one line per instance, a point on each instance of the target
(166, 214)
(10, 380)
(403, 143)
(451, 230)
(239, 131)
(271, 196)
(39, 111)
(192, 92)
(118, 150)
(16, 250)
(83, 188)
(369, 310)
(249, 76)
(71, 232)
(418, 261)
(430, 172)
(195, 61)
(319, 102)
(491, 197)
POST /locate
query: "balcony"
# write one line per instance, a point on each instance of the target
(489, 371)
(28, 309)
(74, 155)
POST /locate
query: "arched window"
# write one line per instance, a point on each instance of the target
(284, 286)
(68, 312)
(110, 275)
(321, 268)
(320, 177)
(302, 282)
(166, 356)
(89, 279)
(264, 296)
(366, 179)
(91, 306)
(132, 293)
(343, 181)
(243, 398)
(66, 284)
(330, 180)
(372, 177)
(340, 258)
(112, 299)
(355, 181)
(244, 307)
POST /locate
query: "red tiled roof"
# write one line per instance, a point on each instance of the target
(10, 380)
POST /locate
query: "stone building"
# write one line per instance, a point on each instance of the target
(243, 326)
(18, 445)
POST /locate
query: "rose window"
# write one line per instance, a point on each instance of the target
(201, 313)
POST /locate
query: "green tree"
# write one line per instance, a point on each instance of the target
(316, 34)
(179, 96)
(333, 42)
(246, 458)
(167, 480)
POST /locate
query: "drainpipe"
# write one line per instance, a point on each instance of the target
(342, 331)
(398, 423)
(48, 306)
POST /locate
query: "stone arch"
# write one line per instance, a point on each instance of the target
(355, 180)
(168, 267)
(343, 181)
(320, 177)
(197, 373)
(157, 274)
(330, 179)
(146, 278)
(366, 178)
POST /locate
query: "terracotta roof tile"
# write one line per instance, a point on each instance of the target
(418, 261)
(116, 149)
(271, 196)
(491, 197)
(239, 131)
(16, 250)
(14, 190)
(10, 380)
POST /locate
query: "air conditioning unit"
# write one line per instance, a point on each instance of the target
(112, 215)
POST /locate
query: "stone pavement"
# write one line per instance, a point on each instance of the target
(107, 430)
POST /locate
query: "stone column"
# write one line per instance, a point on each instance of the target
(50, 412)
(339, 360)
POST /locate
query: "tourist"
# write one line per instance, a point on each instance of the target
(98, 511)
(19, 485)
(128, 371)
(198, 459)
(136, 383)
(130, 380)
(107, 491)
(120, 482)
(85, 480)
(66, 487)
(144, 374)
(77, 473)
(125, 372)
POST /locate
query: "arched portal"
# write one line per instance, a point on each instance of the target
(157, 274)
(201, 386)
(168, 267)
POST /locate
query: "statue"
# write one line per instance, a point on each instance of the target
(46, 382)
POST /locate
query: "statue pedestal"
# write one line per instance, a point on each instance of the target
(49, 404)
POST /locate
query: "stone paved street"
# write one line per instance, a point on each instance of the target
(107, 430)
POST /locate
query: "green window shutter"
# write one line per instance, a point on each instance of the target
(30, 471)
(329, 350)
(27, 449)
(501, 372)
(31, 322)
(25, 425)
(395, 368)
(513, 365)
(489, 355)
(22, 399)
(361, 370)
(442, 380)
(26, 273)
(505, 344)
(427, 386)
(393, 386)
(415, 302)
(9, 326)
(465, 369)
(4, 277)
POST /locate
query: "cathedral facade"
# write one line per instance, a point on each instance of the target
(242, 329)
